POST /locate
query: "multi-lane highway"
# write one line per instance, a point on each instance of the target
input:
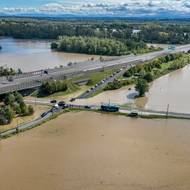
(35, 79)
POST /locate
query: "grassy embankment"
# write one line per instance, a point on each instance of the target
(74, 89)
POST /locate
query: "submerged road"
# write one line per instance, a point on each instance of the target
(35, 79)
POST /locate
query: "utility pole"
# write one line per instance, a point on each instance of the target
(17, 129)
(168, 106)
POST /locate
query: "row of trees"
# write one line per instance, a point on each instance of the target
(51, 87)
(8, 71)
(150, 69)
(91, 45)
(148, 72)
(14, 105)
(143, 74)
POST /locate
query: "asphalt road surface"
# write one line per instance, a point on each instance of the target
(35, 79)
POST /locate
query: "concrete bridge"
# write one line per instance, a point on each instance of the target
(34, 79)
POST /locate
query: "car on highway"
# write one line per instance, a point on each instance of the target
(134, 113)
(72, 99)
(87, 107)
(61, 103)
(56, 106)
(53, 101)
(44, 114)
(46, 72)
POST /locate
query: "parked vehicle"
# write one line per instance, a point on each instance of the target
(44, 114)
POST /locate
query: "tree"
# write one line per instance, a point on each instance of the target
(24, 109)
(18, 98)
(142, 87)
(30, 110)
(127, 74)
(54, 45)
(17, 109)
(9, 114)
(9, 99)
(148, 77)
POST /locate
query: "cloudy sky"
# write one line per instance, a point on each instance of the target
(98, 7)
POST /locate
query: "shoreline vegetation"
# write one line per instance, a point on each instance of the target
(133, 32)
(149, 71)
(99, 46)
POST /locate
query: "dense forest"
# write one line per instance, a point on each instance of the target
(104, 37)
(132, 32)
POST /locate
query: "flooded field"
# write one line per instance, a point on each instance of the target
(121, 96)
(171, 90)
(31, 55)
(90, 151)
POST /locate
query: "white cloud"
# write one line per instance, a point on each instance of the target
(108, 7)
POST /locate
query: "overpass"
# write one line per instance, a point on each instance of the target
(35, 79)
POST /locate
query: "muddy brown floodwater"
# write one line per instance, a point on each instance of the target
(173, 90)
(31, 55)
(92, 151)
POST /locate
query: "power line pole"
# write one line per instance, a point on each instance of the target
(167, 113)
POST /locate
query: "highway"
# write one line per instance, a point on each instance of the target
(102, 84)
(35, 79)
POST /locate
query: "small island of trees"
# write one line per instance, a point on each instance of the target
(90, 45)
(98, 46)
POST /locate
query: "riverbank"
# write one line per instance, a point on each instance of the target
(98, 151)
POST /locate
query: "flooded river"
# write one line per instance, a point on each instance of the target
(31, 55)
(91, 151)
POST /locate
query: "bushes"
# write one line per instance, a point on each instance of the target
(14, 105)
(117, 84)
(51, 87)
(113, 85)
